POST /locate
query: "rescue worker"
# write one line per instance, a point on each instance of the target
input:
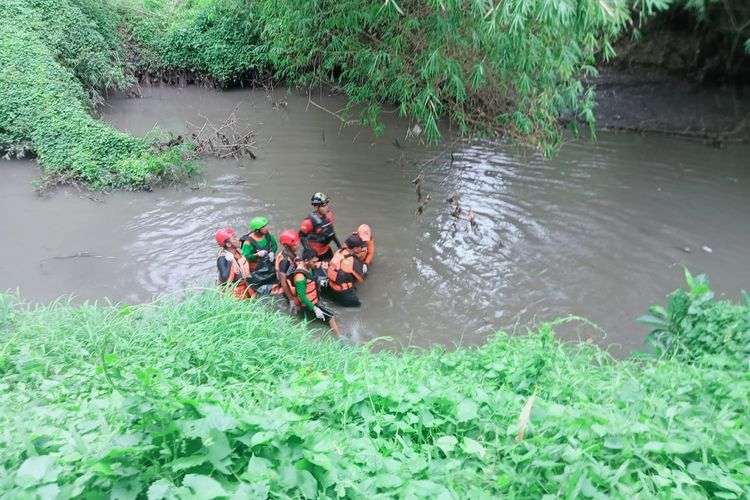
(365, 233)
(258, 243)
(286, 263)
(306, 291)
(316, 230)
(233, 268)
(345, 270)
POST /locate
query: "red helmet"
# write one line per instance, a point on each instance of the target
(289, 237)
(222, 235)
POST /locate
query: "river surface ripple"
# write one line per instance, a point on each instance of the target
(600, 231)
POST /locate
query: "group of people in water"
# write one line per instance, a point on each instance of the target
(302, 268)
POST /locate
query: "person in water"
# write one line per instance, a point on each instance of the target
(365, 233)
(306, 291)
(234, 269)
(316, 230)
(286, 263)
(259, 243)
(346, 270)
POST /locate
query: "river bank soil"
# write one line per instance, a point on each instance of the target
(672, 80)
(655, 101)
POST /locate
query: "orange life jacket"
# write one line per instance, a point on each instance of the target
(365, 233)
(321, 236)
(254, 242)
(311, 286)
(342, 273)
(240, 267)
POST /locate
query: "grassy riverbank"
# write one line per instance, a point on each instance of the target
(210, 398)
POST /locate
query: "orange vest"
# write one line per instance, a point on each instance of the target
(319, 239)
(240, 267)
(342, 261)
(311, 287)
(370, 252)
(365, 233)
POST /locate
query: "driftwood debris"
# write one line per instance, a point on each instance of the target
(455, 201)
(223, 140)
(421, 201)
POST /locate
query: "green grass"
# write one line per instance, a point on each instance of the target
(209, 398)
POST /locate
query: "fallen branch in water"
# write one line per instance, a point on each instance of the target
(224, 140)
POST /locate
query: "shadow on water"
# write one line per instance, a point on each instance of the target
(600, 231)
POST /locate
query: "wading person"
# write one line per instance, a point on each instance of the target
(234, 269)
(306, 290)
(286, 263)
(365, 233)
(345, 270)
(316, 230)
(258, 243)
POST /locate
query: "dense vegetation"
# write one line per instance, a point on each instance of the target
(513, 67)
(212, 398)
(56, 58)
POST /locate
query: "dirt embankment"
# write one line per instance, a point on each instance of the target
(671, 81)
(672, 105)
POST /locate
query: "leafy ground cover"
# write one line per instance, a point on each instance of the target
(56, 58)
(210, 398)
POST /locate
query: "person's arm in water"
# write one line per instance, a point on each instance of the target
(301, 286)
(336, 240)
(370, 252)
(304, 232)
(333, 229)
(358, 271)
(225, 269)
(281, 275)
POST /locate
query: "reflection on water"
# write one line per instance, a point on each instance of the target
(600, 231)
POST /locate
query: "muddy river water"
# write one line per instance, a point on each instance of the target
(600, 231)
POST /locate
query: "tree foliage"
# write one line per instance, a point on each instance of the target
(512, 67)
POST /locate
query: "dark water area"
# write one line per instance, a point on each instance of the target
(601, 231)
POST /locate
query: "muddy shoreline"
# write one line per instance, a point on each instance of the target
(655, 102)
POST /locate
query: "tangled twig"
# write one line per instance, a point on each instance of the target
(223, 140)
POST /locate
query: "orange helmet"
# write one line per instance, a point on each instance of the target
(222, 235)
(289, 237)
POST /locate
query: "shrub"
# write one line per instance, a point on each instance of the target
(53, 59)
(694, 326)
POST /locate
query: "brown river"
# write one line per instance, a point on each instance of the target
(600, 231)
